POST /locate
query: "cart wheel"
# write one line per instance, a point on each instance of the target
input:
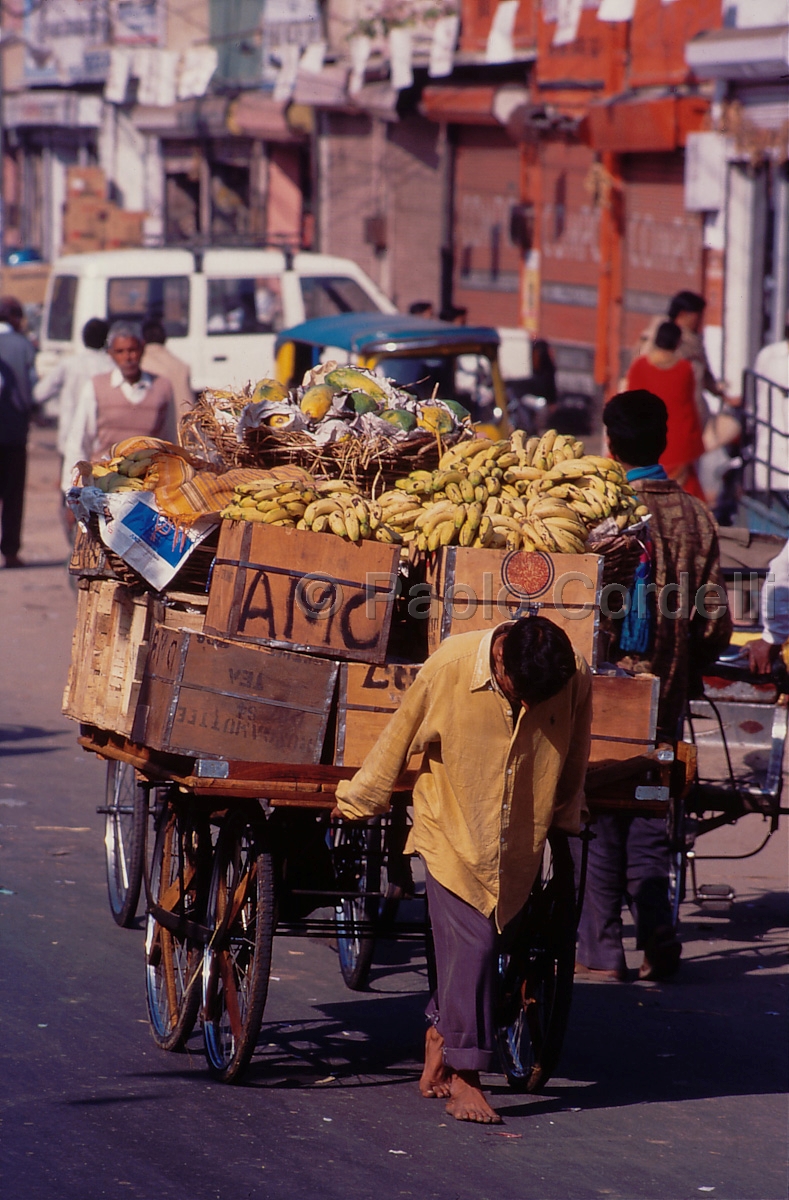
(358, 858)
(173, 955)
(125, 820)
(536, 978)
(237, 959)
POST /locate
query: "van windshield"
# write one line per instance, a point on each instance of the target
(244, 305)
(162, 297)
(328, 295)
(60, 321)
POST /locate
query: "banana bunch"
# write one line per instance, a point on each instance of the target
(339, 508)
(592, 487)
(124, 473)
(281, 502)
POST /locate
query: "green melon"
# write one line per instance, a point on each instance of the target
(269, 389)
(401, 418)
(349, 379)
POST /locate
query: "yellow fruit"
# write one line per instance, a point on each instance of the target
(351, 379)
(269, 389)
(437, 420)
(316, 401)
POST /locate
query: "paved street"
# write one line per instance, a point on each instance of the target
(664, 1092)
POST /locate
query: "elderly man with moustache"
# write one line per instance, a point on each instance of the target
(124, 402)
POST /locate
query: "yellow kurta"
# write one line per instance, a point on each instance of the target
(487, 792)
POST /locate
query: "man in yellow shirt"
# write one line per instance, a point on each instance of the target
(503, 719)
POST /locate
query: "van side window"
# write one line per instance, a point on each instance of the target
(165, 297)
(328, 295)
(60, 323)
(244, 306)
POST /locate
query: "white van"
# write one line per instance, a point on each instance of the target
(221, 308)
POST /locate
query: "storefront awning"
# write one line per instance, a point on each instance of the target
(754, 54)
(642, 125)
(460, 105)
(255, 114)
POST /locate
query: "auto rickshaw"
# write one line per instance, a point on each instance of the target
(454, 362)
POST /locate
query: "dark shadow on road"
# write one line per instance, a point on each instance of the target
(24, 733)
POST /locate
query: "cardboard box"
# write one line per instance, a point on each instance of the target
(367, 696)
(624, 717)
(86, 181)
(85, 215)
(310, 591)
(478, 589)
(213, 697)
(123, 228)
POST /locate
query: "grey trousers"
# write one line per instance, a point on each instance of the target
(462, 1007)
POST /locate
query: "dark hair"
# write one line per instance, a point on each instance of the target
(153, 331)
(668, 336)
(452, 313)
(686, 302)
(420, 307)
(636, 424)
(94, 333)
(11, 311)
(538, 657)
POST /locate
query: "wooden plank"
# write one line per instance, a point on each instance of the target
(478, 589)
(624, 719)
(291, 588)
(220, 697)
(368, 695)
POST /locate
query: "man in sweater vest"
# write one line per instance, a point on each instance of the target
(125, 402)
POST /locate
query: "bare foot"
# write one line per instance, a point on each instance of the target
(436, 1075)
(467, 1102)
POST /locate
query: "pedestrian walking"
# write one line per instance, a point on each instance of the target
(158, 360)
(121, 403)
(673, 634)
(662, 371)
(66, 380)
(503, 720)
(17, 377)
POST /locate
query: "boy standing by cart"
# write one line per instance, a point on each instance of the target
(503, 718)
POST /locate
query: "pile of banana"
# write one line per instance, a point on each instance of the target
(515, 494)
(539, 493)
(271, 501)
(125, 473)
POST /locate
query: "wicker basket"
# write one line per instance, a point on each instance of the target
(370, 464)
(621, 555)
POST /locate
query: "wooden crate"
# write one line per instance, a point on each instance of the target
(624, 718)
(367, 697)
(478, 589)
(308, 591)
(214, 697)
(108, 651)
(89, 557)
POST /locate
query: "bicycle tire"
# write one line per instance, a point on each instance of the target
(125, 821)
(237, 959)
(536, 979)
(179, 868)
(360, 853)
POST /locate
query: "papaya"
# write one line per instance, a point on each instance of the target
(350, 379)
(277, 420)
(316, 401)
(437, 420)
(458, 410)
(400, 417)
(363, 403)
(269, 389)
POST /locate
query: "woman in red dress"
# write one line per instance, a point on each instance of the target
(670, 377)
